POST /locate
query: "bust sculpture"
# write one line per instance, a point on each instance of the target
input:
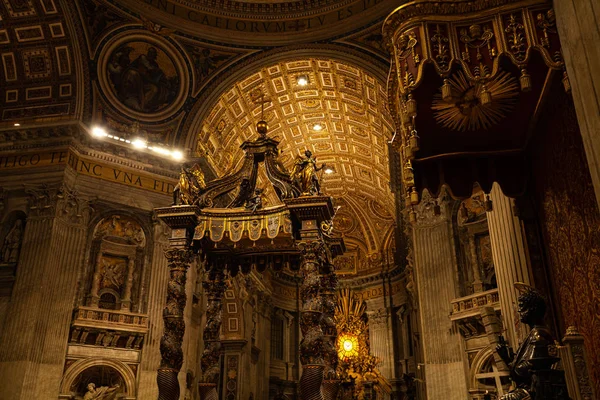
(532, 368)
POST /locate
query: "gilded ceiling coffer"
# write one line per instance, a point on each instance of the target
(468, 75)
(224, 222)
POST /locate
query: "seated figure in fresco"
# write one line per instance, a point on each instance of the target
(532, 367)
(141, 84)
(304, 174)
(100, 393)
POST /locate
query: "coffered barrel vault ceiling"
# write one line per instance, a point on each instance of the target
(351, 107)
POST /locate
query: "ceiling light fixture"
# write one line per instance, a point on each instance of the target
(139, 143)
(317, 127)
(302, 80)
(329, 170)
(99, 132)
(17, 124)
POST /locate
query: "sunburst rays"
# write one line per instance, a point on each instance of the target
(464, 110)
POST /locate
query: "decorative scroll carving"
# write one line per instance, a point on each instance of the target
(62, 202)
(170, 344)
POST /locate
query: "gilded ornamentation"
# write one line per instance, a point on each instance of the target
(547, 23)
(477, 37)
(190, 185)
(516, 37)
(465, 111)
(356, 363)
(304, 175)
(440, 46)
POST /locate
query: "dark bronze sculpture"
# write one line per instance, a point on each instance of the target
(532, 368)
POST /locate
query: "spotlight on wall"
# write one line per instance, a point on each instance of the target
(139, 143)
(177, 155)
(17, 124)
(329, 170)
(302, 80)
(317, 127)
(99, 132)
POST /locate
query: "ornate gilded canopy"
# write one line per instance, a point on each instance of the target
(467, 86)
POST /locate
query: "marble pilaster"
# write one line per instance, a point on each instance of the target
(157, 292)
(510, 261)
(578, 23)
(435, 274)
(33, 344)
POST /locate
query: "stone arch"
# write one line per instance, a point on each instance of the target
(80, 366)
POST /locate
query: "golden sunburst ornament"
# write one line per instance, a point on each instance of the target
(475, 106)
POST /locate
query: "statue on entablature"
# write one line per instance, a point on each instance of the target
(304, 174)
(190, 185)
(532, 368)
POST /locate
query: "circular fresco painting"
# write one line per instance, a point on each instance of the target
(146, 75)
(143, 77)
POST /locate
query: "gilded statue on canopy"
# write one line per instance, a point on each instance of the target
(304, 175)
(191, 184)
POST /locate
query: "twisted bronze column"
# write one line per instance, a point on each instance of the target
(179, 259)
(312, 344)
(214, 288)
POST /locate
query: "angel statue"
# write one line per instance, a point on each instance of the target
(190, 185)
(304, 174)
(101, 393)
(532, 368)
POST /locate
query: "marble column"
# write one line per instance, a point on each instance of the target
(381, 342)
(157, 293)
(34, 342)
(436, 275)
(510, 261)
(578, 23)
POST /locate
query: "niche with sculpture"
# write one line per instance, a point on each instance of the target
(473, 246)
(118, 264)
(98, 383)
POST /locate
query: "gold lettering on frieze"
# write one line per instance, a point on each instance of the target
(87, 166)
